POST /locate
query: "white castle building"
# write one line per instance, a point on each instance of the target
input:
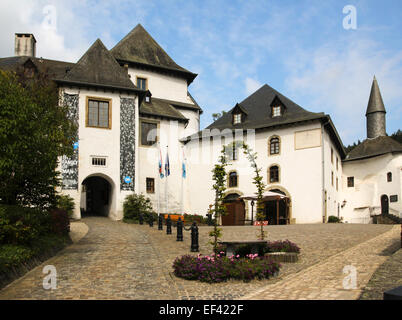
(133, 110)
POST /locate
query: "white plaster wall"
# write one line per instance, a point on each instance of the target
(169, 133)
(300, 172)
(193, 125)
(103, 143)
(162, 86)
(370, 183)
(333, 195)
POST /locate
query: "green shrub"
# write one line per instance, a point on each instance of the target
(135, 204)
(66, 203)
(270, 246)
(60, 222)
(19, 225)
(12, 255)
(195, 217)
(333, 219)
(22, 226)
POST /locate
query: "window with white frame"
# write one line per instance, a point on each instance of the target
(237, 118)
(276, 111)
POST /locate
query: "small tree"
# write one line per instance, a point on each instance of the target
(258, 181)
(219, 209)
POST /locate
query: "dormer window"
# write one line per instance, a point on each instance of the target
(142, 83)
(276, 111)
(237, 118)
(277, 107)
(239, 114)
(148, 99)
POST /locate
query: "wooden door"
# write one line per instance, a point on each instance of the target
(235, 214)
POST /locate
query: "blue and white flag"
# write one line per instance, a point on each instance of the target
(183, 167)
(167, 165)
(160, 164)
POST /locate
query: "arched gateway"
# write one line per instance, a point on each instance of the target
(96, 196)
(278, 211)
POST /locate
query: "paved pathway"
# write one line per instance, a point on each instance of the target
(120, 261)
(388, 276)
(333, 278)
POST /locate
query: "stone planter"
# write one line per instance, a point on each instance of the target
(283, 256)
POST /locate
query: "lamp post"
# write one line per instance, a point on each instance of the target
(252, 212)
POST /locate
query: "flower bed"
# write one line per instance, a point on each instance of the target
(282, 246)
(219, 268)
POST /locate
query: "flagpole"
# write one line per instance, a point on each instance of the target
(182, 183)
(167, 165)
(159, 178)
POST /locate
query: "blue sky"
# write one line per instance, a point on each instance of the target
(300, 48)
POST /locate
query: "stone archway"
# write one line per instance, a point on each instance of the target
(96, 196)
(286, 205)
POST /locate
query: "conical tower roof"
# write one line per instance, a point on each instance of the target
(375, 103)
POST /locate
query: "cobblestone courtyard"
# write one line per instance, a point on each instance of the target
(120, 261)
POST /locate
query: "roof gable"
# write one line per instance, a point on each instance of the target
(99, 68)
(238, 109)
(257, 107)
(139, 47)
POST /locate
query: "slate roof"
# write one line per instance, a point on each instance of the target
(195, 102)
(257, 108)
(374, 147)
(138, 47)
(98, 68)
(161, 108)
(183, 105)
(53, 68)
(375, 103)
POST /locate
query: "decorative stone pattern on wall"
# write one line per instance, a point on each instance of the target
(127, 144)
(69, 165)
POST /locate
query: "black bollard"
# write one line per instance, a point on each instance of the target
(160, 222)
(141, 218)
(168, 225)
(179, 230)
(151, 220)
(194, 238)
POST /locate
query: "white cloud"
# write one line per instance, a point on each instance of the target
(48, 26)
(252, 85)
(337, 78)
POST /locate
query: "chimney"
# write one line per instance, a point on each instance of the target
(25, 45)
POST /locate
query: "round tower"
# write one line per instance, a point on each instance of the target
(375, 114)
